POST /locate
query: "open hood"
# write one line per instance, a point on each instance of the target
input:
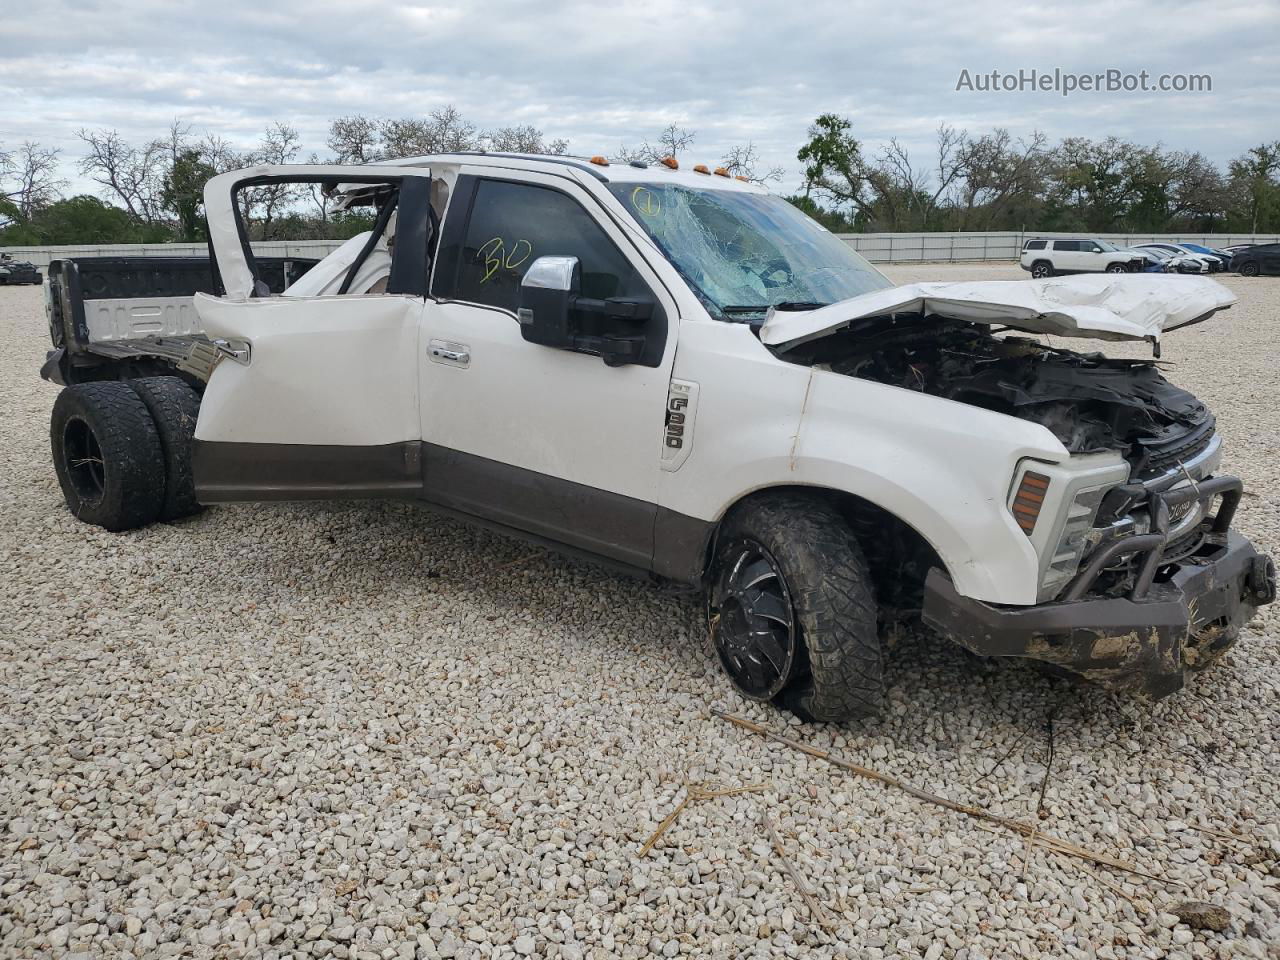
(1093, 306)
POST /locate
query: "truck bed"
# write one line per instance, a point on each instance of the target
(111, 316)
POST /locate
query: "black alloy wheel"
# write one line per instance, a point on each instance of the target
(85, 470)
(753, 623)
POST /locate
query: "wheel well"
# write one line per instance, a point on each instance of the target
(898, 555)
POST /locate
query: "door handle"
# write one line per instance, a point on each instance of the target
(241, 351)
(447, 352)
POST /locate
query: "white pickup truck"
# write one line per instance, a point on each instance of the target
(680, 374)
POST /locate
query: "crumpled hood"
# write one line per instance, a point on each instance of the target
(1095, 306)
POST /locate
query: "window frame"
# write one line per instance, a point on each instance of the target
(456, 224)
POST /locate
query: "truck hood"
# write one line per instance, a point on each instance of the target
(1093, 306)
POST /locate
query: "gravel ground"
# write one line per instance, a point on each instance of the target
(359, 730)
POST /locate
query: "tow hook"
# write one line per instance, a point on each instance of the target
(1261, 580)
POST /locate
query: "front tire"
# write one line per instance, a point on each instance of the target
(1041, 270)
(791, 611)
(1117, 268)
(107, 455)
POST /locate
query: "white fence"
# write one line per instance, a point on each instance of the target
(41, 256)
(1007, 245)
(877, 247)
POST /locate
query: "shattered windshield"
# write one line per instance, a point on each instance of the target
(743, 253)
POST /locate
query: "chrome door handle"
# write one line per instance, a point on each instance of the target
(453, 354)
(241, 351)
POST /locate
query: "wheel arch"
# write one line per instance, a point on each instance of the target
(902, 543)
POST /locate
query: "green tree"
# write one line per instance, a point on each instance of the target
(183, 193)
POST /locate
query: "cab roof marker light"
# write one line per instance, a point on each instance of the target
(720, 172)
(702, 168)
(600, 161)
(741, 177)
(671, 162)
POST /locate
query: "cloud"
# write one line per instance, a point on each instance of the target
(599, 75)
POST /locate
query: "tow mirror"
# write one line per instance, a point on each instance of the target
(547, 292)
(553, 313)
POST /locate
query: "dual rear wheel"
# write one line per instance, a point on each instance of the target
(122, 450)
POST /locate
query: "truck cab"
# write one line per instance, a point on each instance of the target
(678, 374)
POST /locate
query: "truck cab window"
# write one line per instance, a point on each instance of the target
(511, 226)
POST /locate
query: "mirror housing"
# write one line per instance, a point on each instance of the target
(547, 293)
(553, 313)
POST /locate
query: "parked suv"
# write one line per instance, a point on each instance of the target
(678, 373)
(1047, 257)
(1257, 259)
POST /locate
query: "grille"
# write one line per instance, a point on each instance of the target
(1164, 458)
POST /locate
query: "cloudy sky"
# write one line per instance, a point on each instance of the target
(600, 74)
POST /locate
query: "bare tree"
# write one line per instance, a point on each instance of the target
(671, 141)
(522, 139)
(998, 172)
(443, 131)
(355, 139)
(30, 177)
(743, 161)
(262, 205)
(132, 175)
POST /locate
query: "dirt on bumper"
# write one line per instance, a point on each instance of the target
(1147, 646)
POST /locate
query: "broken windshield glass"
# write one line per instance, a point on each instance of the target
(743, 253)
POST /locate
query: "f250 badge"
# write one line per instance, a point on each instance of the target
(677, 438)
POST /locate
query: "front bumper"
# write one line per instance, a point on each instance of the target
(1180, 620)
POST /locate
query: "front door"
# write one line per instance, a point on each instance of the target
(545, 440)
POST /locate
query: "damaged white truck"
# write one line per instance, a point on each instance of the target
(680, 374)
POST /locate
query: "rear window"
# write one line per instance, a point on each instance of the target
(1035, 245)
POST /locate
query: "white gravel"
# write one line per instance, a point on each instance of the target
(359, 730)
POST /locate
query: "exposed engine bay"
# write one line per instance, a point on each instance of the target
(1090, 402)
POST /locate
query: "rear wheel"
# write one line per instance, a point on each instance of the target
(174, 407)
(107, 455)
(791, 613)
(1249, 268)
(1041, 269)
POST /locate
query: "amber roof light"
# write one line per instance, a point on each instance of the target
(600, 161)
(671, 162)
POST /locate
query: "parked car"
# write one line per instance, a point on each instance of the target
(1179, 262)
(1237, 247)
(1257, 259)
(18, 271)
(1187, 261)
(1049, 257)
(1222, 258)
(1153, 263)
(686, 377)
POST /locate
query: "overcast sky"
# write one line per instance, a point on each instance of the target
(600, 76)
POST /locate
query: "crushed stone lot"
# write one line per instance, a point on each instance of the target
(362, 730)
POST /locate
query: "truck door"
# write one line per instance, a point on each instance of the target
(546, 440)
(316, 396)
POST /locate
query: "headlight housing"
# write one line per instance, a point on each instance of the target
(1058, 523)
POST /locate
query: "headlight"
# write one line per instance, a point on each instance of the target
(1069, 494)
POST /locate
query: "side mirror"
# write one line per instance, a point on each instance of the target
(553, 313)
(547, 293)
